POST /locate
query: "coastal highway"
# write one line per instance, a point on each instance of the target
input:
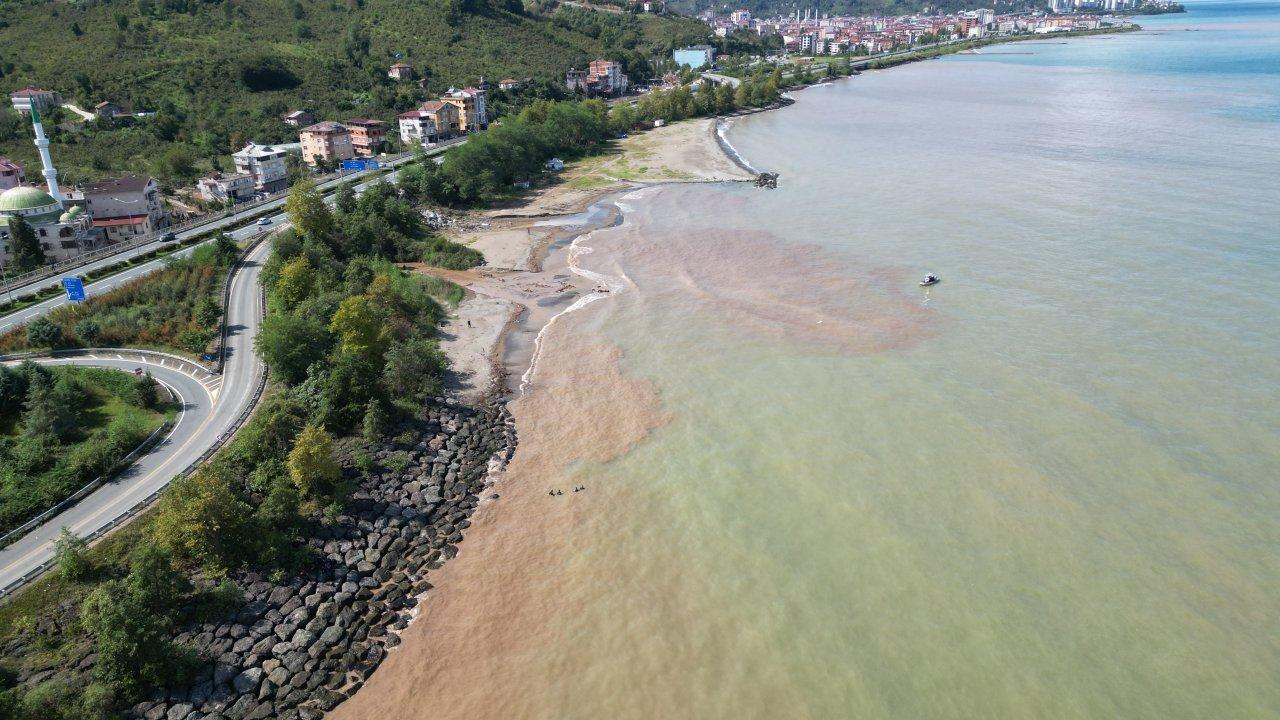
(212, 405)
(231, 221)
(246, 228)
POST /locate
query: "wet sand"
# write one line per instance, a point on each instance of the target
(512, 291)
(486, 613)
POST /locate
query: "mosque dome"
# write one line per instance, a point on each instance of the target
(28, 201)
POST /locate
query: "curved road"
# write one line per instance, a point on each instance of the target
(211, 407)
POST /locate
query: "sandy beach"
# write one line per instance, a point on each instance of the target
(515, 237)
(469, 627)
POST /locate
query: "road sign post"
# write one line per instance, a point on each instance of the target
(74, 287)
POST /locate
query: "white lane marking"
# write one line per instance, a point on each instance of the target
(49, 543)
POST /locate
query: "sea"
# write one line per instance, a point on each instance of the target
(797, 484)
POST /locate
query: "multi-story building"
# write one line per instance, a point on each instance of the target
(62, 233)
(42, 99)
(607, 76)
(696, 57)
(122, 208)
(368, 136)
(11, 174)
(226, 187)
(576, 79)
(326, 142)
(265, 164)
(418, 127)
(447, 118)
(470, 105)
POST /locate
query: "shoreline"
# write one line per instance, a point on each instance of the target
(528, 296)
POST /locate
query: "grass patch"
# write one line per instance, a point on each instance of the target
(94, 418)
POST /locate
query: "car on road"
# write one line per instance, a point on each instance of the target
(169, 237)
(264, 221)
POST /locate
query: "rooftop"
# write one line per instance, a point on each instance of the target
(128, 184)
(326, 127)
(25, 197)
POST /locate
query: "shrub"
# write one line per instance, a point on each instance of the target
(69, 555)
(42, 333)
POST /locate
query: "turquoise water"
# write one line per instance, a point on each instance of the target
(1045, 488)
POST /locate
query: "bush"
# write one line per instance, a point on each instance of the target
(42, 333)
(69, 555)
(440, 252)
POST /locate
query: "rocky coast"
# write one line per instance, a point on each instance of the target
(296, 648)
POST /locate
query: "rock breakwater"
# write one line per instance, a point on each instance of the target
(297, 648)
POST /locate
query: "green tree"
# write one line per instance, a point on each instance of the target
(47, 413)
(208, 311)
(88, 330)
(290, 344)
(377, 420)
(297, 281)
(358, 323)
(311, 463)
(200, 518)
(25, 252)
(42, 332)
(69, 555)
(414, 368)
(132, 641)
(225, 247)
(308, 212)
(148, 391)
(154, 581)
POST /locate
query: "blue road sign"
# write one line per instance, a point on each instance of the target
(359, 164)
(74, 287)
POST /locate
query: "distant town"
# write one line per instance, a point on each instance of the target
(87, 217)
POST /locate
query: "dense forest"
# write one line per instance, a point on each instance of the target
(217, 73)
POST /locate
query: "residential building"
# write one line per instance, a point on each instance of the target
(265, 164)
(607, 77)
(107, 110)
(418, 127)
(695, 57)
(62, 233)
(42, 99)
(470, 103)
(226, 187)
(298, 118)
(327, 142)
(508, 84)
(368, 136)
(122, 208)
(445, 116)
(11, 174)
(401, 72)
(576, 80)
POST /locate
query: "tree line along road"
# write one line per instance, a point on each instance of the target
(211, 407)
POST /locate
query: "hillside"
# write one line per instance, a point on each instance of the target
(219, 72)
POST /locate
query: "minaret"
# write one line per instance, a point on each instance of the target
(42, 144)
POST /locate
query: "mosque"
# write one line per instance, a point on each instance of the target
(63, 232)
